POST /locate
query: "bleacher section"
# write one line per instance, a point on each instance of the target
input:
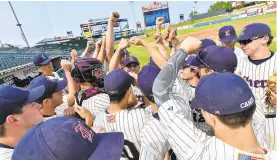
(10, 60)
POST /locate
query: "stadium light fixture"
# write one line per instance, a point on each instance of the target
(19, 25)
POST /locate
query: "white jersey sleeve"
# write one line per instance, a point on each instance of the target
(97, 104)
(6, 153)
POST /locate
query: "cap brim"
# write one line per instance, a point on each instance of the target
(195, 103)
(61, 84)
(132, 62)
(229, 39)
(242, 38)
(110, 146)
(46, 61)
(35, 94)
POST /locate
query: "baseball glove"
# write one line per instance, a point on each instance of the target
(271, 89)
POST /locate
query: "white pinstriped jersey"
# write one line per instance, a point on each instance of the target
(128, 121)
(189, 142)
(6, 153)
(183, 90)
(47, 118)
(256, 76)
(97, 104)
(154, 143)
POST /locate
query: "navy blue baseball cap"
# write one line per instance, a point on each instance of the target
(13, 98)
(117, 82)
(254, 30)
(190, 62)
(124, 52)
(217, 58)
(41, 59)
(146, 79)
(68, 138)
(227, 34)
(51, 85)
(206, 43)
(130, 59)
(223, 94)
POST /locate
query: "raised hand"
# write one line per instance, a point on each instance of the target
(66, 65)
(159, 21)
(191, 44)
(114, 16)
(135, 40)
(123, 44)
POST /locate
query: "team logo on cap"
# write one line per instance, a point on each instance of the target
(247, 103)
(42, 56)
(86, 133)
(131, 58)
(227, 33)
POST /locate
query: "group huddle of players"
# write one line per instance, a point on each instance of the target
(201, 101)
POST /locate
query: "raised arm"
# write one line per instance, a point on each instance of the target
(66, 66)
(89, 49)
(101, 54)
(165, 80)
(123, 44)
(97, 48)
(74, 55)
(110, 36)
(159, 39)
(156, 55)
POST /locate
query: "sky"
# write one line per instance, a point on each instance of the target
(48, 19)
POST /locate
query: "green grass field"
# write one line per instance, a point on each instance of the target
(143, 56)
(152, 31)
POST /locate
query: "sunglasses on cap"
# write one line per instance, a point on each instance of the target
(199, 57)
(245, 42)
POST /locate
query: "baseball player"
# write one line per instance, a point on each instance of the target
(118, 118)
(154, 144)
(52, 96)
(18, 113)
(229, 114)
(256, 68)
(44, 64)
(213, 58)
(88, 72)
(228, 38)
(68, 138)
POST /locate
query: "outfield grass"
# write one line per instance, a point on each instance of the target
(152, 31)
(143, 56)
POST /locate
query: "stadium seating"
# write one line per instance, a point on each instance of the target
(9, 60)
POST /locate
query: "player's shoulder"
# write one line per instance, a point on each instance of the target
(100, 99)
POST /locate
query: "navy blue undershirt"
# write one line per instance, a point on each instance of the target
(5, 146)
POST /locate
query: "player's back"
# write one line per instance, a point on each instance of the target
(215, 149)
(154, 143)
(97, 104)
(130, 122)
